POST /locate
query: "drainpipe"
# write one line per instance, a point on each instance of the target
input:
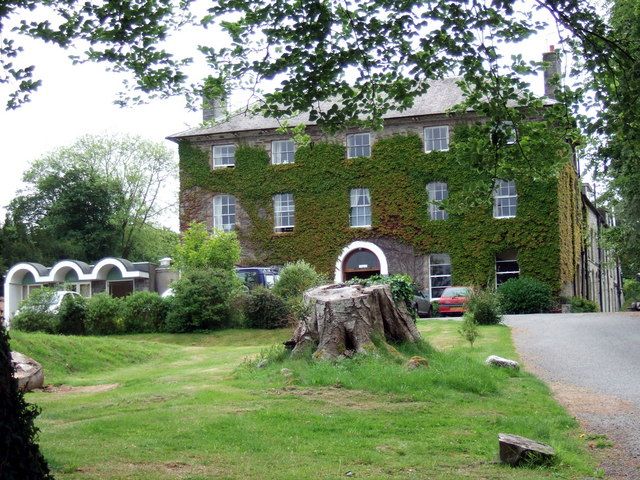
(598, 225)
(620, 285)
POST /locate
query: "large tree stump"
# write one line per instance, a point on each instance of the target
(344, 320)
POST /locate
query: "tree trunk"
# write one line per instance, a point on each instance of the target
(345, 319)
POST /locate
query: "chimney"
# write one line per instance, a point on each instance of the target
(552, 72)
(213, 109)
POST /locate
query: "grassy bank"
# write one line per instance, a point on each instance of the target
(190, 406)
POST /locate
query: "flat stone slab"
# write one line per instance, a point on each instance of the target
(502, 362)
(516, 450)
(27, 371)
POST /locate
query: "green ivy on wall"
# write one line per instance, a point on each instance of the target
(396, 175)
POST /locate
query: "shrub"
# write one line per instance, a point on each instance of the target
(525, 295)
(202, 300)
(298, 308)
(485, 307)
(200, 249)
(402, 287)
(35, 321)
(631, 289)
(264, 309)
(295, 278)
(582, 305)
(20, 456)
(104, 314)
(33, 313)
(72, 315)
(435, 309)
(143, 312)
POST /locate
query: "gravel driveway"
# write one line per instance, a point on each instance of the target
(592, 363)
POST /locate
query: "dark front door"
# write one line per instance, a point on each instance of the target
(360, 263)
(121, 289)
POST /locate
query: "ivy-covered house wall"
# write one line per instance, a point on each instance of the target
(544, 232)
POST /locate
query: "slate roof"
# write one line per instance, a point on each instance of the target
(441, 96)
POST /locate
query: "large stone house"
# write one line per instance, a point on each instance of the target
(367, 202)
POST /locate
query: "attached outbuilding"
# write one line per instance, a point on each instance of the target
(117, 276)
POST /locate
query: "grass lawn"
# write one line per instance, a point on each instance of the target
(189, 406)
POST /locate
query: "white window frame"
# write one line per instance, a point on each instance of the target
(277, 152)
(221, 154)
(221, 219)
(360, 208)
(439, 275)
(499, 197)
(27, 289)
(355, 144)
(283, 212)
(77, 287)
(510, 272)
(430, 139)
(437, 191)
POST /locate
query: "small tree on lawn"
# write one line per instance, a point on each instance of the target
(20, 456)
(469, 328)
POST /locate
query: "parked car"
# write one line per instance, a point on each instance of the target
(453, 300)
(251, 277)
(55, 302)
(258, 276)
(422, 303)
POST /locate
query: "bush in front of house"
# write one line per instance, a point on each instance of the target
(144, 312)
(296, 278)
(402, 287)
(202, 300)
(485, 307)
(631, 290)
(525, 295)
(293, 280)
(582, 305)
(264, 309)
(34, 321)
(104, 315)
(72, 315)
(34, 315)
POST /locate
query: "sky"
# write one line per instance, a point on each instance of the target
(76, 100)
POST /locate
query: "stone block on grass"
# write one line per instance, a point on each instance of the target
(516, 450)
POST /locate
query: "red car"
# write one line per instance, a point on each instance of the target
(453, 300)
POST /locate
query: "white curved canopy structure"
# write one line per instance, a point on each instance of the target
(34, 274)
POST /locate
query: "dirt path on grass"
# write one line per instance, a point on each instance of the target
(592, 364)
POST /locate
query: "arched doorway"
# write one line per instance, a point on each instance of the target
(360, 263)
(360, 260)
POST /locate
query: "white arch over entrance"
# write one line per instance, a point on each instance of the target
(376, 250)
(13, 288)
(60, 270)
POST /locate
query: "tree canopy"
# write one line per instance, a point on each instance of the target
(142, 170)
(99, 197)
(347, 62)
(200, 249)
(617, 131)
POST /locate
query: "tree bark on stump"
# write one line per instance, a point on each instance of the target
(344, 319)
